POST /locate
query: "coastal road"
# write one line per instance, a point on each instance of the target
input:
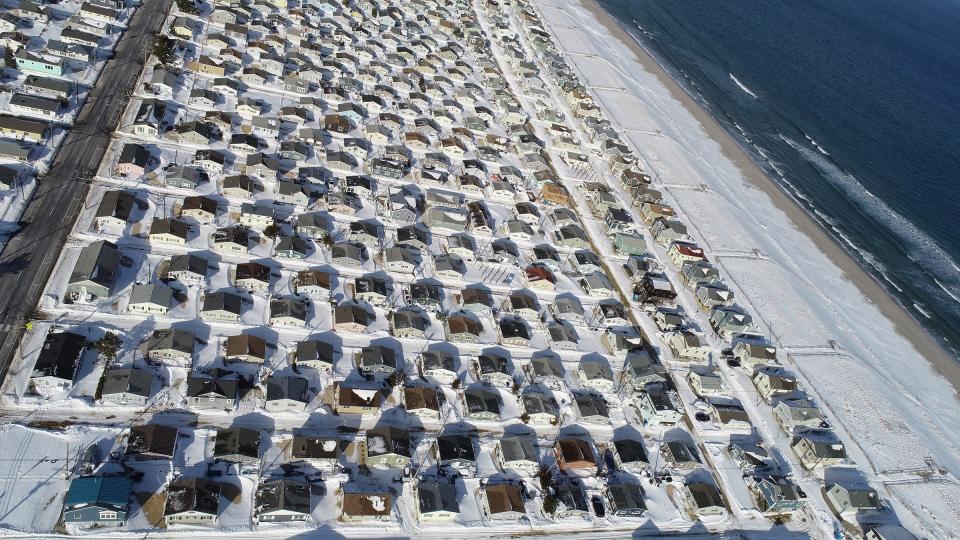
(29, 257)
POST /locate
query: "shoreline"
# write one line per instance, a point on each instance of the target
(905, 324)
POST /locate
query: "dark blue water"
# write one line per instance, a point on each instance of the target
(855, 110)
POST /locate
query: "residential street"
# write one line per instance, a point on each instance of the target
(29, 257)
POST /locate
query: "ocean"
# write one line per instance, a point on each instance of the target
(853, 107)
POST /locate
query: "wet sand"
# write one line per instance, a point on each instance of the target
(926, 344)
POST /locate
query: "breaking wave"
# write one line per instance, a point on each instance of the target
(932, 258)
(743, 87)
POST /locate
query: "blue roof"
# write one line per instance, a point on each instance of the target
(105, 490)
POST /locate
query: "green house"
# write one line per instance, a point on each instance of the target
(100, 501)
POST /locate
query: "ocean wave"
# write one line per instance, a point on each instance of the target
(929, 256)
(743, 87)
(816, 145)
(922, 311)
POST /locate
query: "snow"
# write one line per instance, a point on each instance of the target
(799, 294)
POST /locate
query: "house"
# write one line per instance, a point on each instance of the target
(693, 273)
(818, 447)
(172, 346)
(422, 401)
(115, 209)
(315, 354)
(540, 407)
(681, 252)
(517, 452)
(586, 262)
(750, 456)
(348, 254)
(189, 269)
(654, 289)
(211, 393)
(191, 501)
(705, 381)
(438, 366)
(34, 63)
(288, 312)
(777, 495)
(133, 161)
(728, 413)
(629, 244)
(30, 105)
(237, 186)
(282, 500)
(374, 359)
(574, 454)
(386, 446)
(514, 331)
(151, 442)
(95, 271)
(425, 295)
(185, 177)
(456, 451)
(705, 498)
(546, 370)
(563, 336)
(356, 399)
(253, 276)
(169, 231)
(126, 385)
(237, 445)
(540, 277)
(366, 506)
(658, 405)
(481, 404)
(774, 381)
(688, 345)
(408, 323)
(752, 355)
(596, 373)
(401, 259)
(621, 343)
(287, 394)
(351, 317)
(711, 295)
(321, 452)
(681, 453)
(666, 232)
(150, 299)
(630, 455)
(572, 499)
(222, 306)
(245, 348)
(436, 500)
(568, 309)
(15, 127)
(848, 500)
(57, 363)
(494, 368)
(504, 502)
(97, 501)
(625, 499)
(597, 285)
(477, 301)
(729, 322)
(799, 412)
(591, 407)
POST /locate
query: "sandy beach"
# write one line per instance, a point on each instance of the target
(905, 324)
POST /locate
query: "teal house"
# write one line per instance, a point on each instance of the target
(100, 501)
(28, 61)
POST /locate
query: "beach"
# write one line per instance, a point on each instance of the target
(906, 325)
(889, 383)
